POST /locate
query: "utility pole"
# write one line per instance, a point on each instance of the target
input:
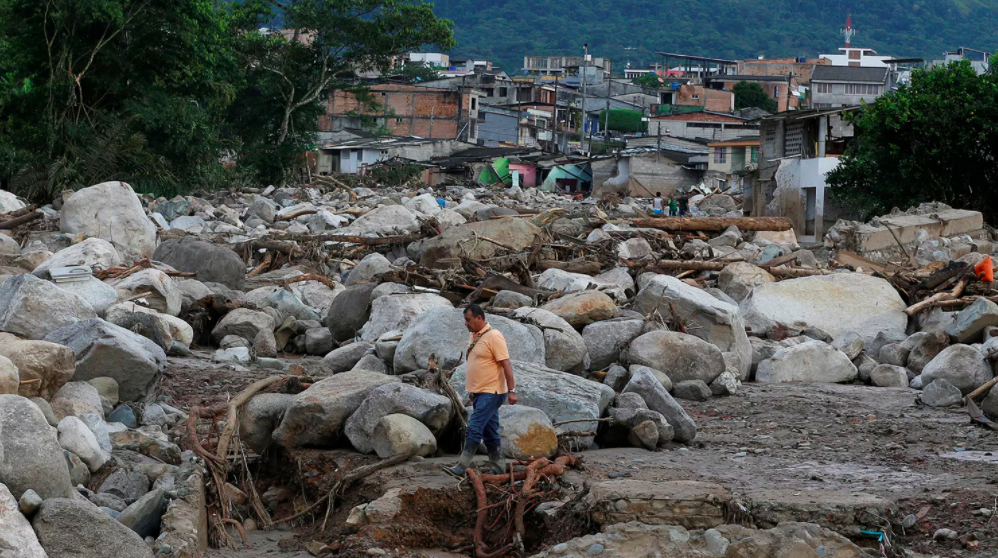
(658, 144)
(582, 83)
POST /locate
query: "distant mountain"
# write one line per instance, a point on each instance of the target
(506, 30)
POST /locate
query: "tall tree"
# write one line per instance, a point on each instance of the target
(748, 94)
(933, 140)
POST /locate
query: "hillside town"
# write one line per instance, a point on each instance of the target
(696, 350)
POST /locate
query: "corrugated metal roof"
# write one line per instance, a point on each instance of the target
(853, 74)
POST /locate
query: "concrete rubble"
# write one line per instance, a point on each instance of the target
(344, 303)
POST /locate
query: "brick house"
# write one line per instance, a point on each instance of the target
(702, 124)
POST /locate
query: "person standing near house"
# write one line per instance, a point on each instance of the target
(673, 206)
(684, 204)
(658, 204)
(489, 382)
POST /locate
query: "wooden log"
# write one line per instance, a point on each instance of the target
(284, 247)
(935, 299)
(19, 212)
(715, 223)
(372, 240)
(584, 267)
(700, 265)
(18, 221)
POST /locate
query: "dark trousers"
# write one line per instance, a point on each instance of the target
(483, 426)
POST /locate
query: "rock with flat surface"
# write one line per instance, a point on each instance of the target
(157, 447)
(76, 437)
(111, 211)
(243, 322)
(851, 344)
(465, 241)
(401, 434)
(211, 262)
(259, 417)
(105, 350)
(17, 540)
(971, 321)
(645, 384)
(76, 398)
(318, 341)
(705, 317)
(924, 347)
(527, 433)
(583, 308)
(836, 303)
(886, 375)
(511, 300)
(127, 485)
(383, 221)
(94, 253)
(162, 329)
(349, 311)
(895, 354)
(682, 357)
(345, 357)
(98, 294)
(441, 331)
(941, 393)
(368, 268)
(725, 384)
(811, 361)
(691, 390)
(618, 434)
(960, 365)
(605, 340)
(30, 456)
(145, 514)
(564, 348)
(429, 408)
(69, 528)
(738, 279)
(33, 308)
(317, 415)
(398, 312)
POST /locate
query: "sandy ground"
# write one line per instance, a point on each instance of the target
(790, 436)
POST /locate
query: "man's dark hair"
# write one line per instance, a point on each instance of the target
(658, 194)
(475, 310)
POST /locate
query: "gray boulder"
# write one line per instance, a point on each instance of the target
(16, 537)
(441, 331)
(941, 393)
(349, 311)
(661, 376)
(881, 340)
(98, 294)
(431, 409)
(50, 364)
(33, 308)
(402, 434)
(560, 395)
(94, 253)
(75, 399)
(317, 415)
(738, 279)
(69, 528)
(511, 300)
(383, 221)
(886, 375)
(895, 354)
(812, 361)
(145, 514)
(851, 344)
(682, 357)
(30, 456)
(990, 403)
(367, 269)
(289, 305)
(616, 377)
(370, 363)
(398, 312)
(836, 303)
(605, 340)
(692, 390)
(113, 212)
(211, 262)
(650, 389)
(464, 241)
(625, 419)
(705, 317)
(725, 384)
(76, 437)
(259, 417)
(583, 308)
(127, 485)
(960, 365)
(971, 321)
(564, 348)
(527, 433)
(106, 350)
(346, 357)
(157, 288)
(318, 341)
(243, 322)
(924, 347)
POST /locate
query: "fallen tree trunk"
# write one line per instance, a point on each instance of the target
(17, 221)
(584, 267)
(700, 265)
(777, 224)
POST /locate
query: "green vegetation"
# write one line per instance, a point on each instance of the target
(506, 30)
(934, 140)
(748, 94)
(158, 92)
(415, 72)
(623, 120)
(650, 81)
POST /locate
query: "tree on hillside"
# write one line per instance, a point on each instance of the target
(932, 140)
(748, 94)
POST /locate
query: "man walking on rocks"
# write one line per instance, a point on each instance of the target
(489, 382)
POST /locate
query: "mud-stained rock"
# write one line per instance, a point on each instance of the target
(527, 433)
(465, 241)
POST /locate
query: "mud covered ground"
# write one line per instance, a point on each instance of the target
(803, 437)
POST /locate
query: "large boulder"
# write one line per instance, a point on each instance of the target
(738, 279)
(243, 322)
(162, 329)
(10, 380)
(811, 361)
(105, 350)
(9, 202)
(527, 433)
(33, 308)
(317, 415)
(16, 537)
(706, 317)
(260, 416)
(78, 529)
(583, 308)
(383, 221)
(349, 311)
(367, 269)
(76, 399)
(94, 253)
(466, 241)
(961, 365)
(425, 204)
(157, 288)
(682, 357)
(346, 357)
(431, 409)
(564, 348)
(211, 262)
(836, 303)
(144, 516)
(111, 211)
(645, 384)
(98, 294)
(616, 282)
(76, 437)
(402, 435)
(30, 456)
(398, 312)
(441, 331)
(971, 321)
(923, 347)
(560, 395)
(605, 340)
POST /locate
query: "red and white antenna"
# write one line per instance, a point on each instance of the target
(848, 32)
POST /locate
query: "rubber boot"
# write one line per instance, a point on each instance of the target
(496, 461)
(461, 469)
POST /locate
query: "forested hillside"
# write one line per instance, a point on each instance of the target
(505, 30)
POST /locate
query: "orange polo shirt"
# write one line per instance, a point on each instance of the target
(484, 373)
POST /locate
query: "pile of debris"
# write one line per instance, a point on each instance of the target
(352, 298)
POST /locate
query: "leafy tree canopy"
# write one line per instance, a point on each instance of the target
(650, 81)
(623, 120)
(932, 140)
(415, 72)
(748, 94)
